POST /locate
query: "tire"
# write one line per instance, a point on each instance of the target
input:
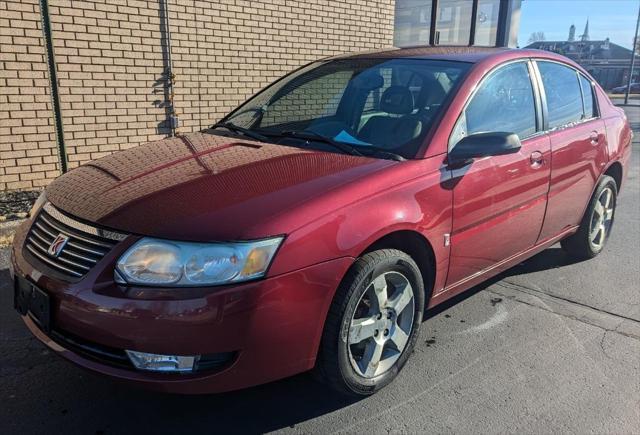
(596, 224)
(358, 310)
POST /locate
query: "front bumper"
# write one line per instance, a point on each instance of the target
(272, 327)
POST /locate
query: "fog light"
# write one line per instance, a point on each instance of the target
(162, 363)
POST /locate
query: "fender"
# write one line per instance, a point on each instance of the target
(422, 203)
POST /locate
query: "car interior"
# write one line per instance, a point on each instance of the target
(389, 106)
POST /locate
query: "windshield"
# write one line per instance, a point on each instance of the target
(368, 104)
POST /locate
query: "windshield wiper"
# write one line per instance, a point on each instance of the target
(382, 152)
(313, 136)
(242, 130)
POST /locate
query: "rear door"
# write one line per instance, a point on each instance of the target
(578, 144)
(499, 201)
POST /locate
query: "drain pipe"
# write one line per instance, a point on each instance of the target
(174, 122)
(53, 83)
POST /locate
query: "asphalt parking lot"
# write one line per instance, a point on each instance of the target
(550, 346)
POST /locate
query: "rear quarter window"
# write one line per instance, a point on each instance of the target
(590, 110)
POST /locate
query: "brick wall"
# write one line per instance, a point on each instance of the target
(110, 61)
(28, 153)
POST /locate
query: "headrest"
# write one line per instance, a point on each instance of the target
(368, 80)
(397, 100)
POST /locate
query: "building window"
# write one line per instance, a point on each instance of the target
(487, 22)
(453, 25)
(456, 22)
(412, 22)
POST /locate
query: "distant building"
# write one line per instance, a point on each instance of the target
(607, 62)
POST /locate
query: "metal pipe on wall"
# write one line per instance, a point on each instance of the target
(53, 83)
(173, 118)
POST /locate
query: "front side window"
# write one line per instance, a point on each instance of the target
(370, 104)
(503, 102)
(564, 97)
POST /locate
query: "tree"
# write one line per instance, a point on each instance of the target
(536, 36)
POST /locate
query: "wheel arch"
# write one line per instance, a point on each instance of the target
(418, 247)
(615, 171)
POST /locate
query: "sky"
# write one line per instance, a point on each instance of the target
(615, 19)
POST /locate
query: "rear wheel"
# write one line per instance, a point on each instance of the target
(373, 323)
(596, 224)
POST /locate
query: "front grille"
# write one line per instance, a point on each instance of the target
(86, 244)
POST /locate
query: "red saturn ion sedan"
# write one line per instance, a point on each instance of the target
(312, 226)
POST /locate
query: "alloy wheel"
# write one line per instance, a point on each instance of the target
(381, 324)
(601, 219)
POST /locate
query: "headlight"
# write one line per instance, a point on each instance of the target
(35, 208)
(184, 264)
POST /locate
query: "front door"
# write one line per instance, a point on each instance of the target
(499, 202)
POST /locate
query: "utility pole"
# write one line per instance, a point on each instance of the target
(633, 58)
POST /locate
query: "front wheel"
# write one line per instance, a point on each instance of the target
(373, 323)
(596, 224)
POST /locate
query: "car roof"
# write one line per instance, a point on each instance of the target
(454, 53)
(466, 54)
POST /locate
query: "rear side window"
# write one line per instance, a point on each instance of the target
(588, 98)
(503, 102)
(564, 98)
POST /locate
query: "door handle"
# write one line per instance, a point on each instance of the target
(595, 137)
(537, 159)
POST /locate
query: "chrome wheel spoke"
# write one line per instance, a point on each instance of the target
(608, 215)
(362, 329)
(607, 199)
(399, 339)
(380, 290)
(403, 298)
(371, 358)
(599, 209)
(595, 231)
(598, 234)
(601, 234)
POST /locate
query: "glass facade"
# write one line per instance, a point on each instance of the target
(455, 22)
(412, 22)
(487, 22)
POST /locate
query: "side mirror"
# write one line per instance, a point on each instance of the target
(495, 143)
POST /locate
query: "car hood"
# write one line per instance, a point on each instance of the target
(204, 187)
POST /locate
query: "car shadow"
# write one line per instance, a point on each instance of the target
(550, 258)
(265, 408)
(269, 407)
